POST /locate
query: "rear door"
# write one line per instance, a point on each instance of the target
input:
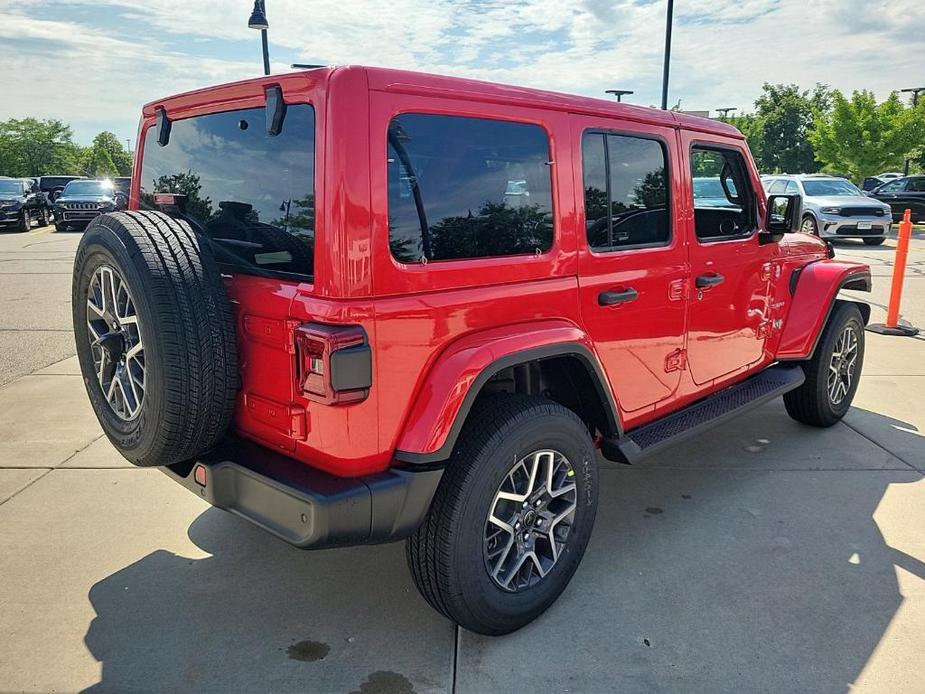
(731, 271)
(632, 260)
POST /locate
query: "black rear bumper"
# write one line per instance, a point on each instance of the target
(304, 506)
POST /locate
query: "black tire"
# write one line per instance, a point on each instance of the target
(811, 403)
(25, 221)
(874, 241)
(60, 227)
(812, 227)
(185, 322)
(447, 555)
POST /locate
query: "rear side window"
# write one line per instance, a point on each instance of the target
(917, 185)
(729, 211)
(467, 188)
(626, 198)
(251, 193)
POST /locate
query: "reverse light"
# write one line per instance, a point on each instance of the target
(333, 363)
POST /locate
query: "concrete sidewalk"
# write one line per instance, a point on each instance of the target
(763, 557)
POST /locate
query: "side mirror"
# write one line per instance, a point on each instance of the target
(784, 212)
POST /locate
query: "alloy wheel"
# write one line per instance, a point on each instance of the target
(115, 343)
(529, 521)
(842, 365)
(808, 226)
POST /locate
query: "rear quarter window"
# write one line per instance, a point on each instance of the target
(250, 193)
(462, 187)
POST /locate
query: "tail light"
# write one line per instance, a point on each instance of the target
(333, 363)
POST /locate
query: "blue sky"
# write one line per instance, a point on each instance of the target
(93, 63)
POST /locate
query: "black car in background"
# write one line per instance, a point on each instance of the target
(901, 194)
(82, 201)
(51, 186)
(21, 203)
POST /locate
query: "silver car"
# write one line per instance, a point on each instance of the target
(834, 208)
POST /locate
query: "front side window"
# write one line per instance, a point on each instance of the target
(730, 212)
(464, 187)
(249, 192)
(893, 186)
(626, 197)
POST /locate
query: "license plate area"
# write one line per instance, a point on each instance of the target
(864, 226)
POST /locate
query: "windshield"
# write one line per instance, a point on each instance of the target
(829, 187)
(10, 187)
(87, 188)
(251, 193)
(708, 188)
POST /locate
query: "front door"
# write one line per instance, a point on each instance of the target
(731, 271)
(632, 263)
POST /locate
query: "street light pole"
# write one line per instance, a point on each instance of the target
(258, 20)
(668, 23)
(915, 91)
(619, 93)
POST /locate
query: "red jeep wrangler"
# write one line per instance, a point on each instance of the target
(355, 305)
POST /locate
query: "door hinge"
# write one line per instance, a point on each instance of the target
(676, 361)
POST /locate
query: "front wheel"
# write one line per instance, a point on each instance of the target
(512, 516)
(833, 373)
(25, 221)
(809, 225)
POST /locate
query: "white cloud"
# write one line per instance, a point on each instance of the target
(723, 49)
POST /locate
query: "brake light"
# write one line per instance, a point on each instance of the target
(333, 363)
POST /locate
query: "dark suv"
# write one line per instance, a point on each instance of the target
(21, 203)
(357, 305)
(51, 186)
(82, 201)
(903, 194)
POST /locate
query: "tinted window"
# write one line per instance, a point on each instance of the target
(467, 188)
(917, 185)
(733, 214)
(626, 199)
(893, 186)
(251, 193)
(791, 187)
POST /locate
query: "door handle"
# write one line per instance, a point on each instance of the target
(617, 296)
(707, 281)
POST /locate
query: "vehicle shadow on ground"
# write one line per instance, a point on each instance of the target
(697, 579)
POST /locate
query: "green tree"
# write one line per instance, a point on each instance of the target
(779, 131)
(753, 128)
(861, 137)
(187, 184)
(106, 157)
(31, 147)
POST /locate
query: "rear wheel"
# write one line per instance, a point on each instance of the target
(874, 241)
(833, 373)
(512, 516)
(155, 337)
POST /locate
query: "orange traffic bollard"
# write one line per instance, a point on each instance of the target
(892, 326)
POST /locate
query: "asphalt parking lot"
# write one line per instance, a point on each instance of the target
(764, 557)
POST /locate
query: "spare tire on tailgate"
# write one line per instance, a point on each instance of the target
(155, 336)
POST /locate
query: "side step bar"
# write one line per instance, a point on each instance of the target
(700, 416)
